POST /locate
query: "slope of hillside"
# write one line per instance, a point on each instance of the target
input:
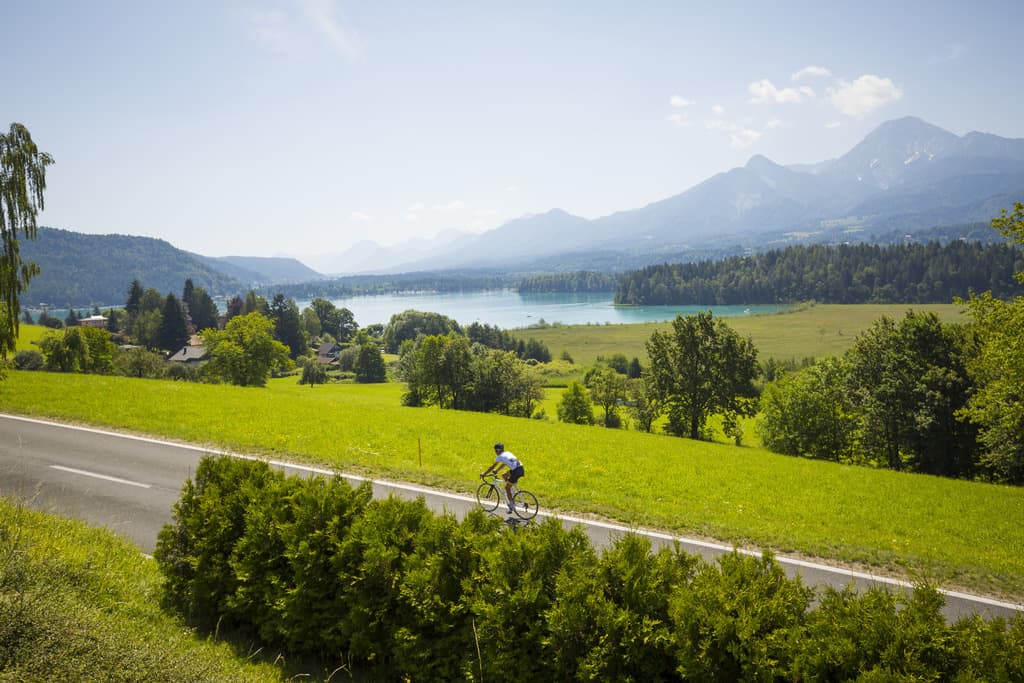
(85, 270)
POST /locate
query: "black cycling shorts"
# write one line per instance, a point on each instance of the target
(516, 474)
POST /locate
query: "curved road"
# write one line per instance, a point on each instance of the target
(130, 483)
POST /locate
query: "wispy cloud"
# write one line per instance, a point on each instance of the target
(292, 31)
(864, 95)
(679, 116)
(740, 136)
(718, 109)
(773, 124)
(833, 124)
(765, 92)
(343, 39)
(811, 72)
(360, 216)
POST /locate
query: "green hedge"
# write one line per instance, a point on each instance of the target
(387, 587)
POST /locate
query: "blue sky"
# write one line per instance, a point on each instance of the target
(299, 127)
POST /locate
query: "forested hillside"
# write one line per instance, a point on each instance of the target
(82, 270)
(844, 274)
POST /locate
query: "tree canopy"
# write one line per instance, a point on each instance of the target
(702, 367)
(22, 183)
(245, 351)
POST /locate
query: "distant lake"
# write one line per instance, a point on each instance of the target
(509, 310)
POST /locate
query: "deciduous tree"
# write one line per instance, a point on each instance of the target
(245, 351)
(702, 367)
(576, 406)
(22, 182)
(807, 412)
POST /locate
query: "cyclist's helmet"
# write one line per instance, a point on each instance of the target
(500, 447)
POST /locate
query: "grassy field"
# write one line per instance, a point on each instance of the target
(961, 533)
(29, 336)
(80, 604)
(809, 331)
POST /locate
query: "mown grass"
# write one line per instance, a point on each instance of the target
(964, 534)
(29, 337)
(806, 332)
(80, 604)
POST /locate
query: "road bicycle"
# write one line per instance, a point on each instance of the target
(491, 493)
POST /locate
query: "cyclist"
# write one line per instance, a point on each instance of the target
(515, 472)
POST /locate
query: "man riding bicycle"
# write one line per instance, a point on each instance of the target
(515, 471)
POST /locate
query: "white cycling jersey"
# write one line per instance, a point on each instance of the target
(508, 459)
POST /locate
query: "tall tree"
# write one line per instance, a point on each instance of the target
(576, 406)
(133, 305)
(288, 326)
(410, 324)
(807, 412)
(245, 352)
(370, 364)
(201, 309)
(608, 390)
(998, 369)
(22, 182)
(702, 367)
(172, 333)
(907, 381)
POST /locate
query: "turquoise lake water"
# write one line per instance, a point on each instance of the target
(509, 310)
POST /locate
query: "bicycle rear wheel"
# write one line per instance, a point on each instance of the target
(487, 496)
(525, 505)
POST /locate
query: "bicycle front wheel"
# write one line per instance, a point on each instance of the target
(487, 496)
(525, 505)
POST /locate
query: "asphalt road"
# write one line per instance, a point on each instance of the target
(129, 485)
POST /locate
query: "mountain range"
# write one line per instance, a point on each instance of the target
(906, 175)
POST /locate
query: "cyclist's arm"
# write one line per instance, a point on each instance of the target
(495, 468)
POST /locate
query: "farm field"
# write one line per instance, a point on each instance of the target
(963, 534)
(809, 331)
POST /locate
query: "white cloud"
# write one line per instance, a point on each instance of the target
(718, 109)
(740, 136)
(343, 39)
(679, 119)
(773, 124)
(864, 95)
(811, 72)
(680, 101)
(360, 216)
(765, 92)
(291, 32)
(832, 124)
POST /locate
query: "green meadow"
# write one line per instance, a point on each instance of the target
(810, 331)
(963, 534)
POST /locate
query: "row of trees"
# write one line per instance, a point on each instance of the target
(315, 568)
(916, 394)
(451, 372)
(412, 324)
(252, 340)
(844, 274)
(577, 281)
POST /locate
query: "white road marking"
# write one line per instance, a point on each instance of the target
(97, 475)
(781, 559)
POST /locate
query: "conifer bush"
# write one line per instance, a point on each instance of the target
(387, 587)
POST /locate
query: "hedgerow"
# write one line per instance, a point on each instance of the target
(316, 567)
